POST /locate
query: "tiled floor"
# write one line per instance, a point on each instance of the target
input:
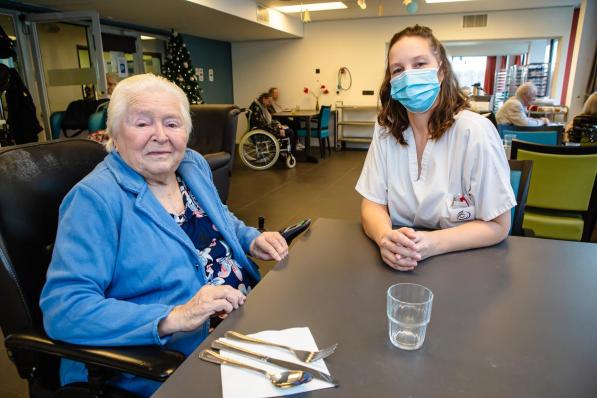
(282, 196)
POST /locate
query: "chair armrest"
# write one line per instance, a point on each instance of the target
(151, 362)
(217, 159)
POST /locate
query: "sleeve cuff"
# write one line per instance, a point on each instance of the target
(161, 341)
(249, 238)
(499, 211)
(370, 197)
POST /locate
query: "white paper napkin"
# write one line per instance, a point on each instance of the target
(244, 383)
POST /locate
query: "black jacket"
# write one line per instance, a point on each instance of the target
(22, 119)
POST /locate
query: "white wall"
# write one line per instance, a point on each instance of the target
(361, 44)
(582, 59)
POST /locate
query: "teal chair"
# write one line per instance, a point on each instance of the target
(520, 177)
(56, 124)
(544, 135)
(319, 129)
(562, 199)
(97, 120)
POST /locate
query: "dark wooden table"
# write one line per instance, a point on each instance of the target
(515, 320)
(306, 116)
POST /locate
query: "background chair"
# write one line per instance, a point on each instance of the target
(214, 136)
(75, 119)
(520, 177)
(34, 178)
(320, 129)
(562, 200)
(97, 121)
(546, 135)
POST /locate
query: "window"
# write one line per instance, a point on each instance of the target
(469, 70)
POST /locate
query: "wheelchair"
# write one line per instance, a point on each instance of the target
(259, 149)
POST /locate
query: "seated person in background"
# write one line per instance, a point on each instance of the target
(111, 81)
(262, 119)
(146, 253)
(432, 163)
(514, 110)
(275, 94)
(584, 123)
(89, 92)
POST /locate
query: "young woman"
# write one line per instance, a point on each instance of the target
(432, 163)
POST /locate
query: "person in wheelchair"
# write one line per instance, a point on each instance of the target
(261, 118)
(146, 253)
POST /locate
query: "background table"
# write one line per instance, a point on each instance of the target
(518, 319)
(306, 116)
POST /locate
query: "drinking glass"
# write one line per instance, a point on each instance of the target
(409, 311)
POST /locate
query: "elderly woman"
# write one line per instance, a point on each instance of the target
(513, 110)
(146, 253)
(432, 164)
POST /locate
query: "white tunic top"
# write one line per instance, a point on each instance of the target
(464, 175)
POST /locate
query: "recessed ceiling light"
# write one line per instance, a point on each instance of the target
(334, 5)
(147, 37)
(443, 1)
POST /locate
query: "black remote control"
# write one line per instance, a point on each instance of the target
(291, 232)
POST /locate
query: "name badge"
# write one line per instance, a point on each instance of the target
(461, 209)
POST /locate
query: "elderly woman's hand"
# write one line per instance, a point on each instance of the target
(269, 246)
(208, 301)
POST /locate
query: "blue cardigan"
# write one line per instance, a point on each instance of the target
(121, 263)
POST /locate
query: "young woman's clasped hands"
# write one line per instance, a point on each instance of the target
(403, 248)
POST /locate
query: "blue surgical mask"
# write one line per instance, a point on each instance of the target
(416, 89)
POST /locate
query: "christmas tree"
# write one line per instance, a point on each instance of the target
(178, 68)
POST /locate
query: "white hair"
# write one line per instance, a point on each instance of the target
(129, 90)
(590, 107)
(527, 89)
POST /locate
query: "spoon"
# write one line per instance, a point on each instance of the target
(288, 378)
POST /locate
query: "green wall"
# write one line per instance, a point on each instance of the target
(214, 54)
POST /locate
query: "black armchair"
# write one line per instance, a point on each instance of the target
(34, 178)
(214, 136)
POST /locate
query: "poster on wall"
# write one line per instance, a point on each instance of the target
(122, 69)
(211, 75)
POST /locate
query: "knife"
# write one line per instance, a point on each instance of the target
(222, 345)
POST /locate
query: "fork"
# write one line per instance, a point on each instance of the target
(305, 356)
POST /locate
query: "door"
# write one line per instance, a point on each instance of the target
(67, 53)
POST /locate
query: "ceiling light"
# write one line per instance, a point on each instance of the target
(334, 5)
(362, 4)
(147, 37)
(443, 1)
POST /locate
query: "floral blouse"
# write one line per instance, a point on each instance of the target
(216, 257)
